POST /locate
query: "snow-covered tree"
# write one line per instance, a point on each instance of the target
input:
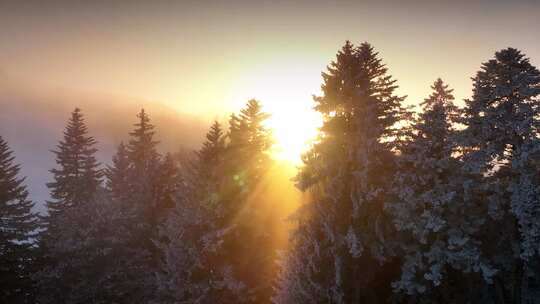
(191, 234)
(348, 173)
(434, 213)
(76, 178)
(144, 185)
(104, 245)
(17, 228)
(303, 276)
(77, 181)
(95, 258)
(180, 276)
(499, 142)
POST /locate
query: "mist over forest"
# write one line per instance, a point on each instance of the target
(33, 118)
(270, 152)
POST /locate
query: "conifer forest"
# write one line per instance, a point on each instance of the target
(394, 200)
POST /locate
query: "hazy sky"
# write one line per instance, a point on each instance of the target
(207, 57)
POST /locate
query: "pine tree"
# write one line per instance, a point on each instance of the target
(348, 173)
(144, 164)
(437, 223)
(303, 276)
(78, 175)
(142, 151)
(18, 225)
(249, 142)
(190, 232)
(211, 154)
(237, 241)
(145, 185)
(77, 182)
(500, 143)
(133, 183)
(180, 274)
(212, 149)
(132, 230)
(118, 175)
(206, 172)
(166, 184)
(95, 258)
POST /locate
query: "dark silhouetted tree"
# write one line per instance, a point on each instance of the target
(77, 181)
(77, 176)
(18, 226)
(500, 143)
(117, 174)
(239, 242)
(346, 253)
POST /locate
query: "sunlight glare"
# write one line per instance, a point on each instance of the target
(285, 91)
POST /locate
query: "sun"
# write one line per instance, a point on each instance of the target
(293, 132)
(284, 87)
(285, 91)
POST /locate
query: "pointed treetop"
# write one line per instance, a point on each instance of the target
(76, 129)
(142, 144)
(504, 108)
(215, 132)
(13, 186)
(6, 157)
(441, 95)
(348, 47)
(118, 174)
(214, 145)
(355, 82)
(253, 112)
(509, 75)
(17, 228)
(77, 176)
(120, 159)
(143, 126)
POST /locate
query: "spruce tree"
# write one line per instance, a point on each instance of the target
(348, 173)
(18, 225)
(211, 154)
(130, 239)
(191, 232)
(241, 242)
(166, 184)
(433, 212)
(184, 235)
(77, 177)
(500, 143)
(77, 182)
(146, 184)
(142, 150)
(97, 261)
(144, 163)
(117, 175)
(131, 182)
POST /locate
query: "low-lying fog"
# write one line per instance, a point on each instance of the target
(32, 119)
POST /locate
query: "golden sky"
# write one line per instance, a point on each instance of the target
(209, 57)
